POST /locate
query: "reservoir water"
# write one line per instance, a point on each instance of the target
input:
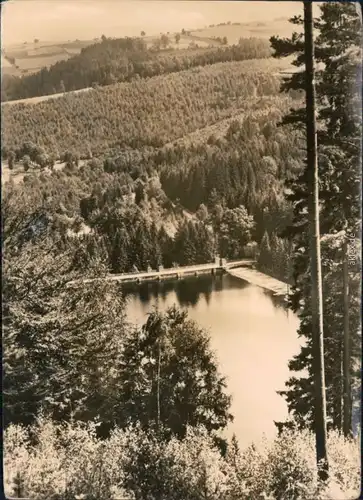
(252, 334)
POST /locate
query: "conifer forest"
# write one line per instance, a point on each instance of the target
(181, 230)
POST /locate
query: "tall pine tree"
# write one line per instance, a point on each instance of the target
(337, 50)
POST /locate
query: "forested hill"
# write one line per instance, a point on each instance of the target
(123, 60)
(204, 139)
(171, 171)
(147, 113)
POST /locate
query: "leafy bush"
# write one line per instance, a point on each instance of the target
(291, 467)
(67, 461)
(56, 461)
(192, 469)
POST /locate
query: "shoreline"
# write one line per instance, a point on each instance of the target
(257, 278)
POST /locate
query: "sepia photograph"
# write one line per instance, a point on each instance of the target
(181, 249)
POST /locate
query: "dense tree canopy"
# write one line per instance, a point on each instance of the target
(123, 60)
(129, 201)
(338, 139)
(170, 169)
(57, 340)
(147, 113)
(169, 363)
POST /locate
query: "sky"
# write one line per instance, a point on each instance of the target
(55, 20)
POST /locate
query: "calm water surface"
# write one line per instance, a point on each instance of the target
(251, 332)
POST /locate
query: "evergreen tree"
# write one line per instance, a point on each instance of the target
(167, 247)
(214, 199)
(205, 247)
(169, 377)
(141, 251)
(119, 254)
(185, 244)
(191, 244)
(139, 192)
(265, 258)
(317, 320)
(202, 212)
(61, 344)
(156, 255)
(26, 162)
(11, 159)
(279, 256)
(338, 137)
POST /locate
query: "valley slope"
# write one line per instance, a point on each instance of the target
(168, 169)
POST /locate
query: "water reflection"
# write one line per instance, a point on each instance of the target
(163, 292)
(218, 283)
(148, 290)
(251, 332)
(278, 301)
(187, 292)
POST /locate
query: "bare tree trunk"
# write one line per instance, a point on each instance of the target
(158, 388)
(347, 397)
(18, 486)
(315, 259)
(337, 382)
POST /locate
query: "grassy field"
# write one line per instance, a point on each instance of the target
(32, 64)
(184, 42)
(36, 100)
(17, 173)
(234, 32)
(32, 57)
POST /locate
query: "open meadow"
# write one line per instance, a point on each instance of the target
(31, 57)
(234, 31)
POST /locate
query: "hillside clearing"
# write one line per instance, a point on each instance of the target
(234, 32)
(37, 100)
